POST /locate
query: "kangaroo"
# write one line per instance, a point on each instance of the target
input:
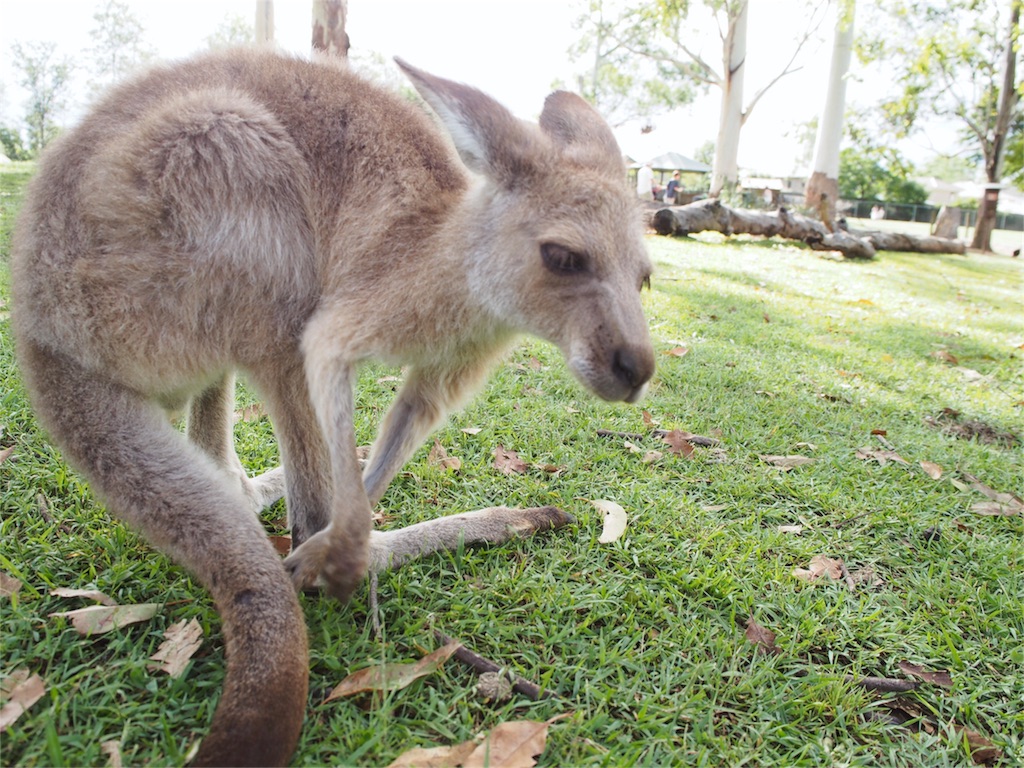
(235, 213)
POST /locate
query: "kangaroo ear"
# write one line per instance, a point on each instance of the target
(490, 139)
(580, 131)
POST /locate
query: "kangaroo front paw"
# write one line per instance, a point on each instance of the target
(334, 562)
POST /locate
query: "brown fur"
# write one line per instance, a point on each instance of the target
(239, 212)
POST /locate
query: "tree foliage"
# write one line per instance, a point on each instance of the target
(622, 85)
(865, 177)
(119, 45)
(954, 60)
(234, 29)
(46, 78)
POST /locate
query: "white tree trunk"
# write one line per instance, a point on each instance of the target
(329, 27)
(725, 170)
(825, 176)
(265, 22)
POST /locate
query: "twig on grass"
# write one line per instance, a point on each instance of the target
(884, 684)
(532, 691)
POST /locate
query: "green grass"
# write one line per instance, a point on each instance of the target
(642, 639)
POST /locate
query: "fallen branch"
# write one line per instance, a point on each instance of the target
(520, 685)
(712, 216)
(884, 684)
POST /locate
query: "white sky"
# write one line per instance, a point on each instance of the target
(512, 49)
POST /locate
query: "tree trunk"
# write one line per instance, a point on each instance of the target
(825, 177)
(329, 27)
(726, 169)
(994, 159)
(712, 216)
(265, 22)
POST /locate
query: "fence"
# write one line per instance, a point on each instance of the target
(861, 209)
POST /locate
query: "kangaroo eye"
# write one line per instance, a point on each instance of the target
(562, 261)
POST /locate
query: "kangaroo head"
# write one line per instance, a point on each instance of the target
(554, 237)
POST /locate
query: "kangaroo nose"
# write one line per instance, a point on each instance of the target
(631, 367)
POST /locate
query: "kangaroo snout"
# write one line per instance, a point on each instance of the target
(633, 367)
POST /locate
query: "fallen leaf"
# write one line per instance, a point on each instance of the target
(1000, 504)
(551, 469)
(676, 351)
(649, 421)
(882, 432)
(508, 462)
(790, 529)
(820, 566)
(945, 356)
(472, 430)
(435, 757)
(394, 676)
(614, 520)
(933, 470)
(983, 751)
(763, 638)
(8, 585)
(250, 413)
(808, 446)
(282, 543)
(97, 619)
(21, 690)
(764, 392)
(994, 509)
(112, 749)
(91, 594)
(388, 379)
(881, 455)
(786, 462)
(181, 640)
(631, 447)
(651, 456)
(510, 745)
(5, 453)
(679, 443)
(915, 670)
(439, 458)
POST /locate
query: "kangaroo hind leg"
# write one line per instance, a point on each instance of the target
(210, 419)
(181, 501)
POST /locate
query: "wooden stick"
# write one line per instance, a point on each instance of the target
(520, 685)
(885, 684)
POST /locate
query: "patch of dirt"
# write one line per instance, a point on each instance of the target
(950, 422)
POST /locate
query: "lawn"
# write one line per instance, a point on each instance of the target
(651, 643)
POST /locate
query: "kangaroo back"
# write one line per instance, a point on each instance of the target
(251, 211)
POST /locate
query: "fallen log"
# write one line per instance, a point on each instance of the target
(713, 216)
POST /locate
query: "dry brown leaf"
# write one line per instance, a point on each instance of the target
(91, 594)
(6, 453)
(649, 421)
(181, 640)
(915, 670)
(97, 619)
(786, 463)
(392, 677)
(282, 543)
(510, 745)
(679, 351)
(614, 520)
(439, 457)
(434, 757)
(632, 447)
(651, 456)
(508, 462)
(679, 443)
(999, 504)
(763, 638)
(551, 469)
(112, 749)
(252, 412)
(945, 356)
(983, 751)
(881, 455)
(21, 690)
(9, 585)
(820, 566)
(933, 470)
(472, 430)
